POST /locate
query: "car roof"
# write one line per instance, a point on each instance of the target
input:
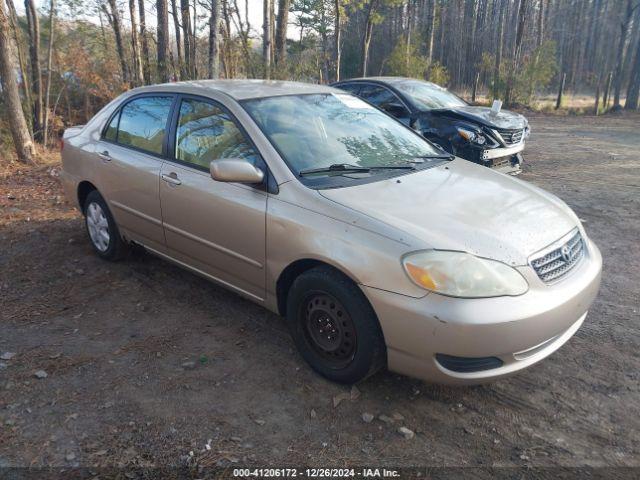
(241, 89)
(386, 80)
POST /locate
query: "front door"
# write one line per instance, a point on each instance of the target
(217, 228)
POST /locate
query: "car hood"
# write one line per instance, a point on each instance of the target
(464, 207)
(484, 116)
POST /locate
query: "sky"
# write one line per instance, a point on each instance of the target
(255, 13)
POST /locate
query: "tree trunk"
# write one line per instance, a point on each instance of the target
(624, 33)
(560, 91)
(366, 38)
(522, 16)
(52, 17)
(540, 36)
(177, 28)
(24, 72)
(432, 30)
(146, 68)
(496, 68)
(186, 39)
(33, 24)
(633, 89)
(214, 40)
(17, 123)
(114, 20)
(281, 31)
(163, 38)
(337, 37)
(266, 38)
(135, 45)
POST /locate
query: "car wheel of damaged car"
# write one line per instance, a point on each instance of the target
(102, 229)
(334, 327)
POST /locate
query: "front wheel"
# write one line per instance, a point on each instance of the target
(334, 327)
(102, 229)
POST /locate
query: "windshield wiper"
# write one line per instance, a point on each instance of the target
(347, 168)
(336, 167)
(447, 156)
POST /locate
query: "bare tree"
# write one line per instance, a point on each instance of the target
(17, 37)
(499, 41)
(177, 28)
(186, 39)
(266, 37)
(366, 37)
(214, 40)
(17, 123)
(33, 24)
(113, 16)
(337, 37)
(146, 68)
(281, 31)
(163, 39)
(52, 18)
(137, 73)
(625, 26)
(633, 89)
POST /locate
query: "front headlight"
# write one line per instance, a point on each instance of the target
(460, 274)
(471, 136)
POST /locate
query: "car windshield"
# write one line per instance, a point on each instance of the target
(315, 133)
(426, 95)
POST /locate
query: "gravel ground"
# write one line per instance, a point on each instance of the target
(144, 363)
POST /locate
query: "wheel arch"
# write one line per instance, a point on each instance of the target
(293, 271)
(84, 189)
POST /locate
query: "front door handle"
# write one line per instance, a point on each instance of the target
(104, 156)
(171, 179)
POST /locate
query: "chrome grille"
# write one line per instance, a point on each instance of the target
(558, 262)
(511, 137)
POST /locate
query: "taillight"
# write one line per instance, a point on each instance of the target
(61, 144)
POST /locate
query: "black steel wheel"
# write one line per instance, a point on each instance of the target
(334, 326)
(329, 329)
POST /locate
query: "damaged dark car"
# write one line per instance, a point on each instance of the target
(489, 136)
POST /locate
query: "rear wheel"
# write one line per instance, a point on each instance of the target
(102, 229)
(334, 326)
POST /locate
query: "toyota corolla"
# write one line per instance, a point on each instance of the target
(378, 248)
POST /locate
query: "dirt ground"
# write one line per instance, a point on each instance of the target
(146, 363)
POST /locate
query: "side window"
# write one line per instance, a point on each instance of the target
(386, 100)
(112, 130)
(379, 96)
(143, 122)
(205, 132)
(352, 88)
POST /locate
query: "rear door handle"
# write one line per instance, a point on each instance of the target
(171, 179)
(104, 156)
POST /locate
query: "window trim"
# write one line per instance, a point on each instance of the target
(118, 111)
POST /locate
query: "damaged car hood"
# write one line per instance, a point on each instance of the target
(465, 207)
(485, 116)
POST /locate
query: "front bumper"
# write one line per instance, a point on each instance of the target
(520, 331)
(502, 159)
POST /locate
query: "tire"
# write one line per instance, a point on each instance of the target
(102, 230)
(321, 303)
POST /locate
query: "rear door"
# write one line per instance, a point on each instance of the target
(215, 227)
(131, 151)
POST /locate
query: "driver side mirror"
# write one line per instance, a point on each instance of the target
(235, 170)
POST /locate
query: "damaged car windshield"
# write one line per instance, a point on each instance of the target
(314, 133)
